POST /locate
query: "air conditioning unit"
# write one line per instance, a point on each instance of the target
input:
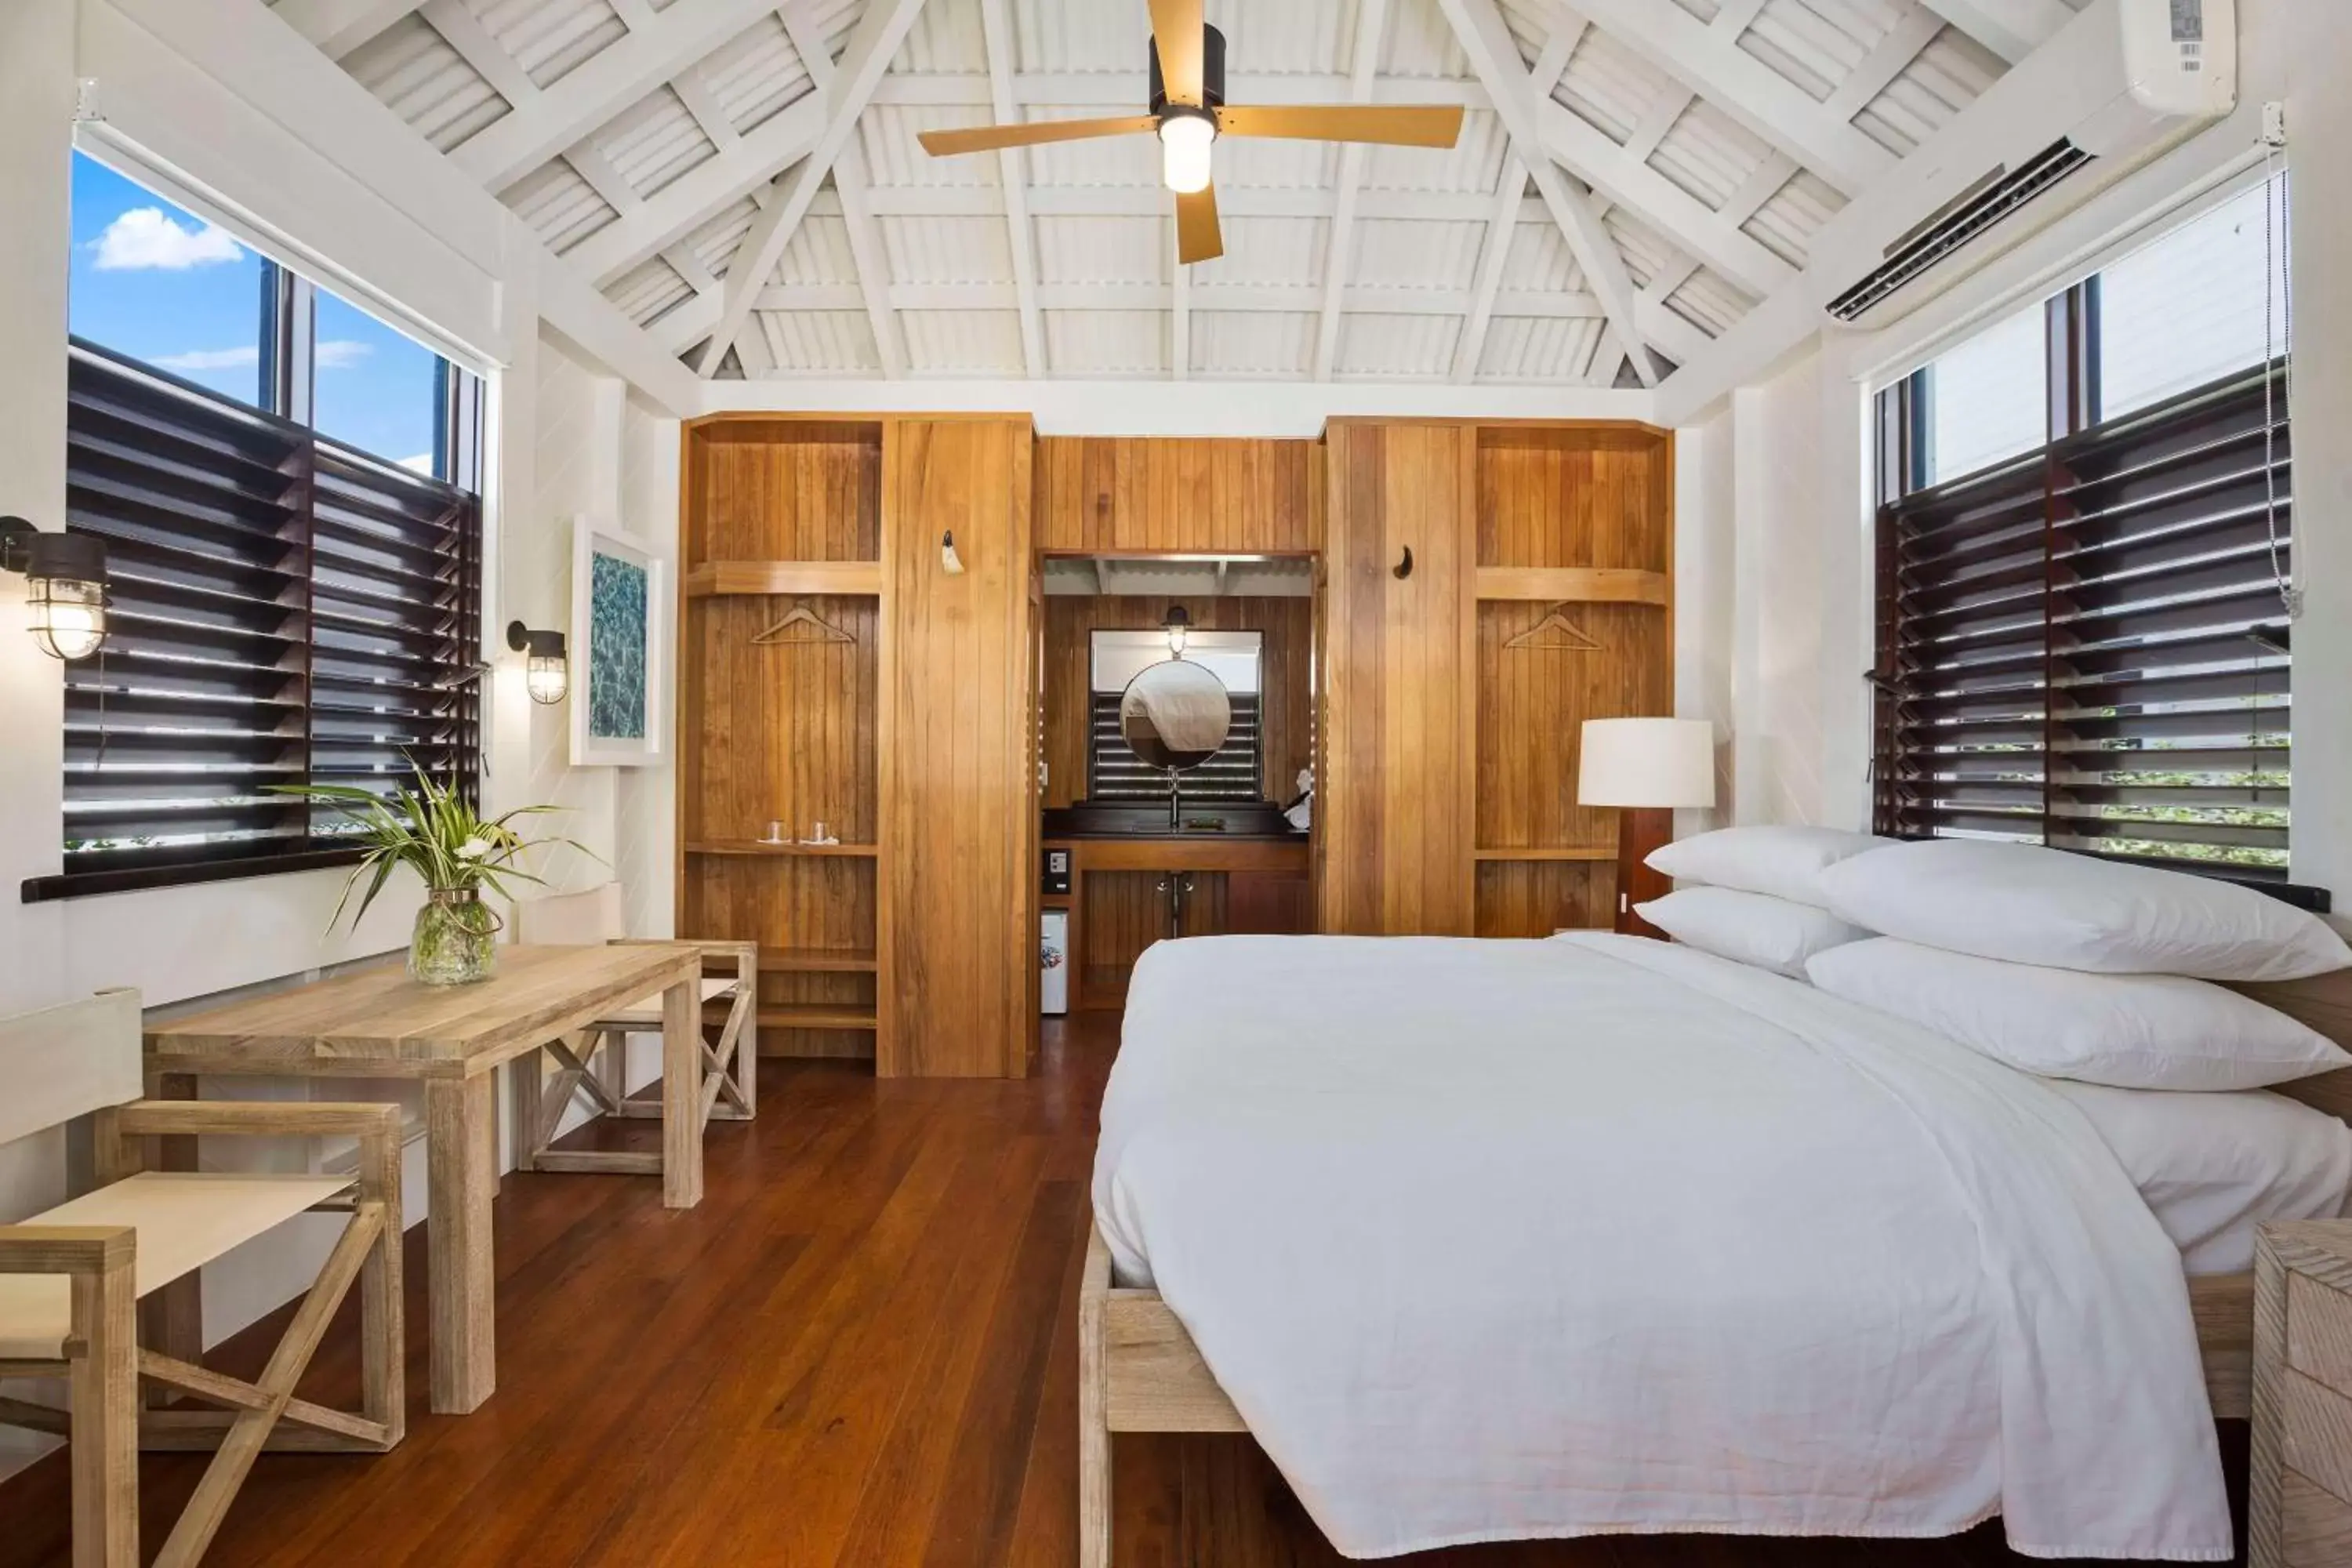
(2120, 83)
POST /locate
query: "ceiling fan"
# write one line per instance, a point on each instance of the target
(1189, 112)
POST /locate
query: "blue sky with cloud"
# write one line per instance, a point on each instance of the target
(159, 284)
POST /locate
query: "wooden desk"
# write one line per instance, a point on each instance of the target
(378, 1023)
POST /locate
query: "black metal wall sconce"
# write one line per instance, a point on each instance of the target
(65, 586)
(547, 673)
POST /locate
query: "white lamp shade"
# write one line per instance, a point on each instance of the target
(1646, 763)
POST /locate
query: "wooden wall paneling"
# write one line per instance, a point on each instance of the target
(784, 490)
(1393, 808)
(1532, 703)
(1537, 898)
(1579, 495)
(958, 886)
(1126, 912)
(1104, 495)
(1286, 706)
(799, 906)
(782, 731)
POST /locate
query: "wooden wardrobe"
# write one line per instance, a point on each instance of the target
(834, 669)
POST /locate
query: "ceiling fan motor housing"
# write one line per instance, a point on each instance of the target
(1213, 73)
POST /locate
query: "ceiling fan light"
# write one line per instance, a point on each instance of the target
(1185, 144)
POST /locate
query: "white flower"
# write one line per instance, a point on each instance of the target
(474, 849)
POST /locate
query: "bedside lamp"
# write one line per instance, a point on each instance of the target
(1645, 768)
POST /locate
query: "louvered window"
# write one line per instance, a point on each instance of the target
(1116, 774)
(284, 608)
(2089, 645)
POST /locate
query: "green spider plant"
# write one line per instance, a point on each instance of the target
(435, 831)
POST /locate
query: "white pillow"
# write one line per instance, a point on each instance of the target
(1784, 862)
(2129, 1031)
(1748, 928)
(2031, 905)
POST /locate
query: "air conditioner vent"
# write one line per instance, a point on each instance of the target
(1978, 208)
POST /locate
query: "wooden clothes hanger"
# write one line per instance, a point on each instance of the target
(1557, 633)
(800, 615)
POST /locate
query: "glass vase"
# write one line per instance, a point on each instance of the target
(456, 939)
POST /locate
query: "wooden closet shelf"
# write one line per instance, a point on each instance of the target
(816, 1015)
(1575, 852)
(817, 961)
(1576, 585)
(851, 577)
(759, 846)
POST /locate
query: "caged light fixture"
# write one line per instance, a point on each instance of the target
(65, 586)
(547, 673)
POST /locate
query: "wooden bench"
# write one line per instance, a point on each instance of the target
(70, 1278)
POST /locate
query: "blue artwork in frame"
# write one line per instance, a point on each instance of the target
(620, 633)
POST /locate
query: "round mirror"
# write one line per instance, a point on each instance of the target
(1175, 715)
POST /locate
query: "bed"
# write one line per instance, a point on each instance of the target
(1948, 1302)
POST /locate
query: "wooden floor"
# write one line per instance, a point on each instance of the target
(861, 1349)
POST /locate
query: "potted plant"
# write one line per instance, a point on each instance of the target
(436, 832)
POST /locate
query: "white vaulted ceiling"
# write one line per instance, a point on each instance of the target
(747, 169)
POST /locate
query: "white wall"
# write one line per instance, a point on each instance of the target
(1788, 449)
(208, 97)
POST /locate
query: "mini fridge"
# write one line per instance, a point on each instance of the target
(1054, 955)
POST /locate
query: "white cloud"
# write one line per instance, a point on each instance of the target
(342, 353)
(420, 464)
(146, 238)
(197, 360)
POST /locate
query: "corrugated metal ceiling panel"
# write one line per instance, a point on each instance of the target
(894, 159)
(945, 37)
(1253, 344)
(947, 250)
(1294, 37)
(1106, 342)
(819, 343)
(1708, 154)
(1395, 253)
(653, 142)
(413, 72)
(1786, 224)
(560, 207)
(755, 74)
(1709, 302)
(818, 253)
(649, 288)
(1419, 43)
(1610, 85)
(549, 39)
(1817, 43)
(1473, 164)
(715, 241)
(1949, 74)
(1269, 250)
(1553, 349)
(962, 342)
(1103, 250)
(1539, 261)
(1107, 161)
(1267, 164)
(1396, 348)
(1095, 35)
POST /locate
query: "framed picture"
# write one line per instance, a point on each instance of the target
(620, 637)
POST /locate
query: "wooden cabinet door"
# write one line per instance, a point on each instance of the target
(958, 915)
(1393, 807)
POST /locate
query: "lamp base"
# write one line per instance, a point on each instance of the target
(1640, 830)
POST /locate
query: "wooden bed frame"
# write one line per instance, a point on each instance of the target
(1139, 1370)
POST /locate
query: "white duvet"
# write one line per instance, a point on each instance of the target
(1491, 1241)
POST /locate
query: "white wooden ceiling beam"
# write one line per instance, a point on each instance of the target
(1124, 92)
(1657, 121)
(877, 37)
(1665, 206)
(1013, 182)
(1495, 58)
(1339, 248)
(589, 161)
(1762, 184)
(1285, 298)
(339, 26)
(867, 256)
(474, 46)
(586, 98)
(1767, 103)
(1876, 71)
(703, 192)
(1734, 17)
(2009, 29)
(704, 105)
(1510, 198)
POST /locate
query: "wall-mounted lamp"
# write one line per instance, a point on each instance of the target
(546, 675)
(949, 559)
(65, 584)
(1179, 627)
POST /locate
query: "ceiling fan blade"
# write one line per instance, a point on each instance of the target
(1176, 30)
(1198, 238)
(1395, 125)
(990, 138)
